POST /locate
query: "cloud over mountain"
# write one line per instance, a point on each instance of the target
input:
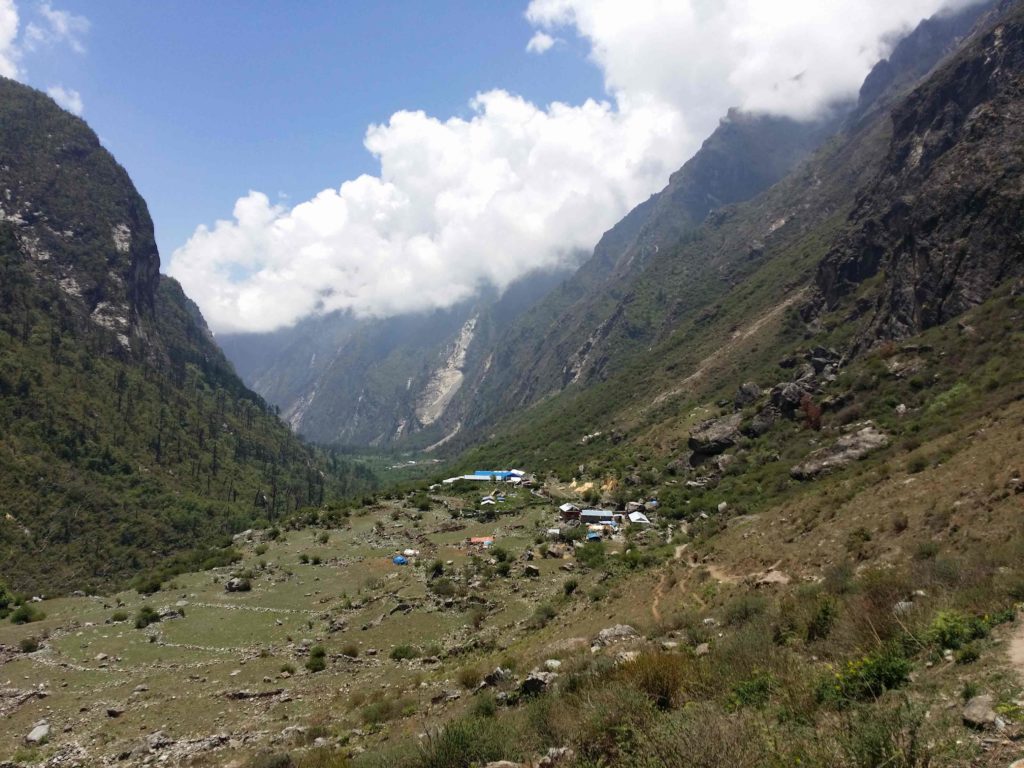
(460, 203)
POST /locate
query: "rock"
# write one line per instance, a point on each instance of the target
(787, 397)
(669, 645)
(502, 764)
(536, 683)
(624, 657)
(763, 421)
(492, 679)
(980, 715)
(445, 696)
(247, 695)
(159, 740)
(114, 712)
(552, 665)
(617, 634)
(38, 735)
(337, 625)
(531, 571)
(557, 756)
(747, 394)
(845, 450)
(142, 688)
(237, 585)
(702, 650)
(714, 436)
(723, 506)
(903, 607)
(772, 579)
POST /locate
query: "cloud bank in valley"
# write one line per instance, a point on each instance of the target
(463, 203)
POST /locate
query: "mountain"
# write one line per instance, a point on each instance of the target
(127, 439)
(384, 382)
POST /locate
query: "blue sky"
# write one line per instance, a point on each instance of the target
(203, 101)
(303, 156)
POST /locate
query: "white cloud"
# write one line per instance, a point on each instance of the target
(458, 204)
(56, 27)
(8, 35)
(68, 98)
(463, 203)
(541, 42)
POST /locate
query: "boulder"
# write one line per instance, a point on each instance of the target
(617, 634)
(979, 713)
(747, 394)
(536, 682)
(237, 585)
(702, 650)
(38, 735)
(714, 436)
(846, 450)
(531, 571)
(787, 397)
(762, 421)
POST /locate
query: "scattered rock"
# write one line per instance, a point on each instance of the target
(845, 450)
(714, 436)
(617, 634)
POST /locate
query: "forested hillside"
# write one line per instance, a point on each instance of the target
(126, 437)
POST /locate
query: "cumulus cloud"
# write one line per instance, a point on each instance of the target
(541, 42)
(56, 27)
(458, 204)
(8, 35)
(463, 203)
(68, 98)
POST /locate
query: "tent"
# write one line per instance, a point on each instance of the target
(638, 518)
(399, 560)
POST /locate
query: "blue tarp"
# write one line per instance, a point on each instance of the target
(593, 536)
(399, 560)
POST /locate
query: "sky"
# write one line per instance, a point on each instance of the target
(386, 158)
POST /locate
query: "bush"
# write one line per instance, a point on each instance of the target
(323, 538)
(469, 677)
(272, 760)
(743, 608)
(261, 549)
(570, 586)
(316, 560)
(952, 629)
(868, 677)
(26, 614)
(821, 623)
(470, 741)
(402, 652)
(118, 616)
(350, 649)
(288, 668)
(304, 558)
(28, 645)
(543, 614)
(591, 554)
(754, 692)
(145, 617)
(661, 676)
(317, 659)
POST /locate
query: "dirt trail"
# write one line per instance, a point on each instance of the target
(1016, 649)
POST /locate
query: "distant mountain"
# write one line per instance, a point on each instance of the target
(125, 436)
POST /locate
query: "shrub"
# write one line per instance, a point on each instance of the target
(323, 538)
(147, 585)
(304, 558)
(743, 608)
(435, 569)
(591, 554)
(145, 617)
(261, 549)
(470, 741)
(442, 587)
(484, 705)
(867, 677)
(500, 554)
(543, 614)
(272, 760)
(26, 614)
(661, 676)
(317, 659)
(28, 644)
(824, 618)
(570, 586)
(926, 550)
(754, 692)
(288, 668)
(316, 560)
(118, 616)
(350, 649)
(952, 629)
(503, 569)
(469, 677)
(402, 652)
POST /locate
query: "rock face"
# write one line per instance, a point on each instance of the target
(941, 221)
(845, 450)
(714, 436)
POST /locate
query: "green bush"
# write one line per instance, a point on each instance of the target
(753, 692)
(867, 677)
(145, 617)
(591, 554)
(118, 616)
(317, 659)
(28, 644)
(402, 652)
(469, 742)
(824, 618)
(26, 613)
(543, 614)
(953, 629)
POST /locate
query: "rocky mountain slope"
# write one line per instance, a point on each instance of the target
(126, 436)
